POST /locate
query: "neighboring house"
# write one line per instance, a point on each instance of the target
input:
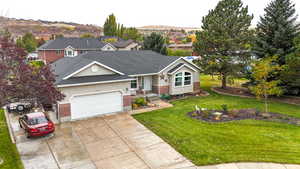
(101, 82)
(70, 47)
(187, 46)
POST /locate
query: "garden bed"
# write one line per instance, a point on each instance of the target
(241, 114)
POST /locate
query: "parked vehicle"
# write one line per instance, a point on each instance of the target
(20, 107)
(36, 124)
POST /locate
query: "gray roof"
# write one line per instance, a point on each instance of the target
(127, 62)
(122, 43)
(77, 43)
(89, 79)
(175, 68)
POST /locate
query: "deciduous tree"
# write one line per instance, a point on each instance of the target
(264, 87)
(20, 80)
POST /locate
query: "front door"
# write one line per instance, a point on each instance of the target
(147, 83)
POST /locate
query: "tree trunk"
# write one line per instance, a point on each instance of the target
(224, 83)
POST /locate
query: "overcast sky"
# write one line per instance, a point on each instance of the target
(129, 12)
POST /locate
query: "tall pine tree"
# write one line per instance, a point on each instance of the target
(224, 38)
(276, 30)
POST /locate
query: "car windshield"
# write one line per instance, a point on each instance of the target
(37, 120)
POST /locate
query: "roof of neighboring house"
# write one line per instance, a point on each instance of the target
(77, 43)
(122, 43)
(126, 62)
(180, 45)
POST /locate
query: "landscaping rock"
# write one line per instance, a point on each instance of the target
(1, 161)
(266, 115)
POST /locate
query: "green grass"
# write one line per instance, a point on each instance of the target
(8, 150)
(246, 140)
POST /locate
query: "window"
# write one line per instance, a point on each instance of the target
(187, 78)
(70, 53)
(133, 84)
(178, 79)
(183, 79)
(58, 52)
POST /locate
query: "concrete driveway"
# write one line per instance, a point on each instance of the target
(110, 142)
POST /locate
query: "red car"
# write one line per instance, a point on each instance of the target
(36, 124)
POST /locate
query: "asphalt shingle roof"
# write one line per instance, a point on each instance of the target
(127, 62)
(89, 79)
(77, 43)
(175, 68)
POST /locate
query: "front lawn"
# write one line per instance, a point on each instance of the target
(246, 140)
(8, 151)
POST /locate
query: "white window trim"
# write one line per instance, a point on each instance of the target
(137, 84)
(182, 81)
(108, 45)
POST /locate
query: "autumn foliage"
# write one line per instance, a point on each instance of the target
(20, 80)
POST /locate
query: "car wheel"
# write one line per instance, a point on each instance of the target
(20, 108)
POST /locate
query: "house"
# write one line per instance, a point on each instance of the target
(70, 47)
(187, 46)
(101, 82)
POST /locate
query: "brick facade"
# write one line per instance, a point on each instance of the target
(196, 86)
(64, 110)
(160, 89)
(127, 101)
(50, 55)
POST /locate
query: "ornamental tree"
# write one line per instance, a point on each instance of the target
(264, 87)
(21, 80)
(224, 38)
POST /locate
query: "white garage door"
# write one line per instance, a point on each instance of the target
(95, 104)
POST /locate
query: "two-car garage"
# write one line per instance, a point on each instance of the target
(89, 105)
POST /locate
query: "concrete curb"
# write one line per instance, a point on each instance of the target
(9, 126)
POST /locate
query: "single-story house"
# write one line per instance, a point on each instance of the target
(101, 82)
(56, 49)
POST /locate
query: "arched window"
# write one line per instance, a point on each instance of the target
(183, 79)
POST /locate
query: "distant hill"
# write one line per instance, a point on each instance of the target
(45, 29)
(166, 27)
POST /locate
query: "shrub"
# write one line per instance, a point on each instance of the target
(134, 106)
(225, 108)
(140, 101)
(165, 97)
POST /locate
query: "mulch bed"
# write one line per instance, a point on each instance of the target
(244, 92)
(241, 114)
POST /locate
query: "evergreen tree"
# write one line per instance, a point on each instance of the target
(155, 42)
(276, 30)
(110, 26)
(290, 75)
(224, 38)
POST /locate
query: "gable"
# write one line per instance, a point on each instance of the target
(94, 70)
(179, 64)
(108, 47)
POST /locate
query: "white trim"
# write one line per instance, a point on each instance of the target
(108, 44)
(137, 84)
(169, 65)
(69, 47)
(147, 74)
(182, 67)
(94, 62)
(176, 61)
(92, 83)
(182, 82)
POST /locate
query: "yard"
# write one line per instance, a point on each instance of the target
(246, 140)
(8, 151)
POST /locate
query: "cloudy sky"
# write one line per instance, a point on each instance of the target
(129, 12)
